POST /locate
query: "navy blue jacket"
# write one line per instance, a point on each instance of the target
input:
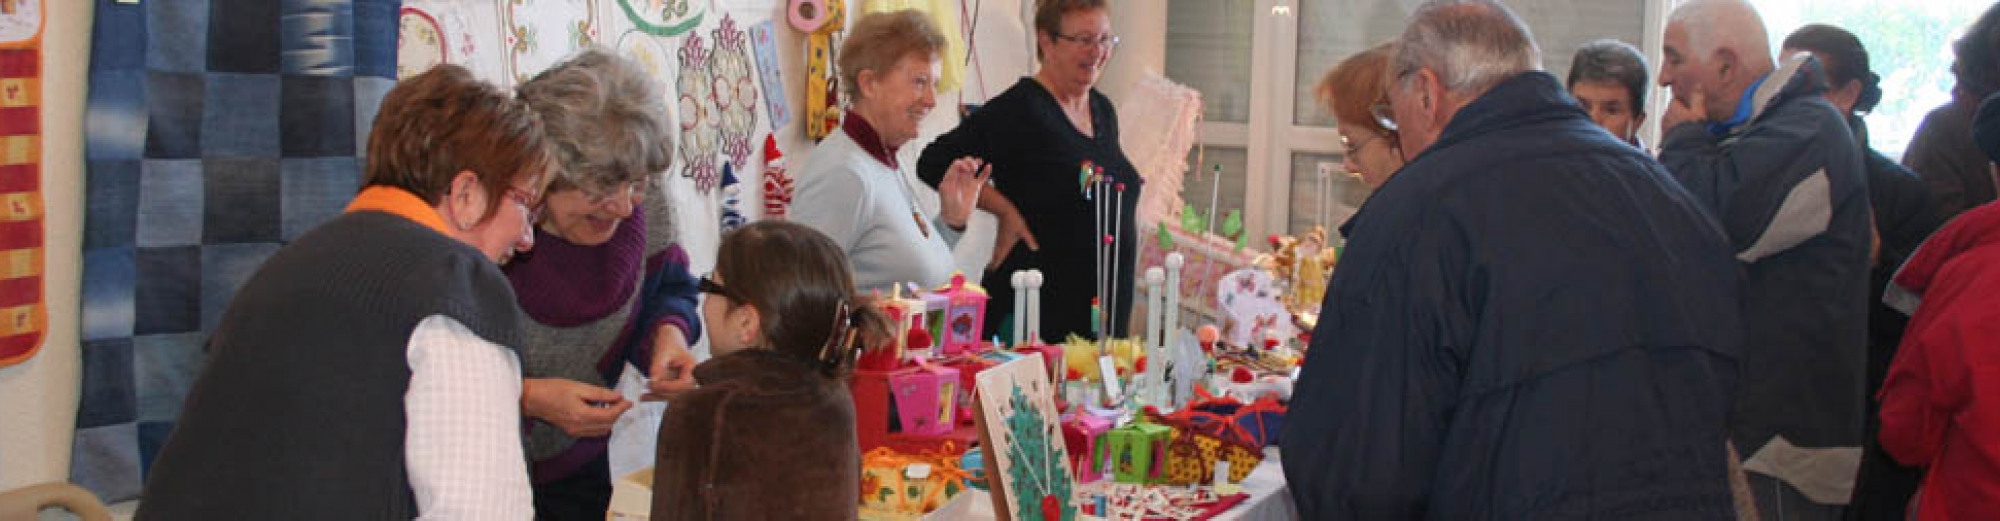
(1790, 186)
(1531, 321)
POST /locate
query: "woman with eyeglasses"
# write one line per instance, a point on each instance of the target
(770, 432)
(1039, 135)
(1353, 91)
(368, 370)
(608, 285)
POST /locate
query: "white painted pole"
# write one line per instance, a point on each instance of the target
(1034, 280)
(1173, 307)
(1156, 302)
(1020, 317)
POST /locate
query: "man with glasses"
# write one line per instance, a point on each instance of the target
(1531, 321)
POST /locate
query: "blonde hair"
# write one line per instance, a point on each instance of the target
(879, 40)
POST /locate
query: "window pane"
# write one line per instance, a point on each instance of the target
(1332, 30)
(1201, 180)
(1208, 48)
(1909, 46)
(1342, 197)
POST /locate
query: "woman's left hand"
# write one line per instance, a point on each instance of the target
(958, 193)
(672, 369)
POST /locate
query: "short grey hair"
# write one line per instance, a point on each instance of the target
(606, 118)
(1472, 45)
(1718, 24)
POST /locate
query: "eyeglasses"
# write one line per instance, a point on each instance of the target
(528, 201)
(1354, 147)
(628, 189)
(710, 286)
(1106, 41)
(1384, 116)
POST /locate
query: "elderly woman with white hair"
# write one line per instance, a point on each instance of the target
(854, 189)
(607, 286)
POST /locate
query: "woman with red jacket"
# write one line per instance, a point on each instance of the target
(1941, 399)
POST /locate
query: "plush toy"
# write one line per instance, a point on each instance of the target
(732, 216)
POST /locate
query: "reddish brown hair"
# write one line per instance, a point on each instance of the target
(444, 121)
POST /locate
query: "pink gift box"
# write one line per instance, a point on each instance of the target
(926, 399)
(1081, 434)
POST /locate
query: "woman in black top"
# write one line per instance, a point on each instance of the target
(1037, 135)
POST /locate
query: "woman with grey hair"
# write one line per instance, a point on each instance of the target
(609, 285)
(1608, 78)
(854, 189)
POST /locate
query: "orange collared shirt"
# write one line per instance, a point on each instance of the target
(399, 202)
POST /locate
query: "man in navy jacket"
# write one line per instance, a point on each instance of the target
(1532, 319)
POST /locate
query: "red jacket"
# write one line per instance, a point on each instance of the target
(1941, 400)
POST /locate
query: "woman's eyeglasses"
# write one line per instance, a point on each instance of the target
(1106, 41)
(527, 200)
(628, 189)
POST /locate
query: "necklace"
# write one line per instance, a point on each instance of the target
(916, 212)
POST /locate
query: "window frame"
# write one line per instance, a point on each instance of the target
(1271, 136)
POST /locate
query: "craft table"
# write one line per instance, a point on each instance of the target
(1270, 499)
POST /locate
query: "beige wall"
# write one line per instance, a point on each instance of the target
(38, 398)
(1142, 49)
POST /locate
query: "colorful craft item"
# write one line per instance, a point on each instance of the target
(964, 316)
(700, 126)
(807, 16)
(735, 90)
(926, 399)
(777, 182)
(1081, 434)
(764, 47)
(1137, 452)
(1129, 502)
(732, 215)
(1052, 356)
(897, 484)
(822, 113)
(1080, 355)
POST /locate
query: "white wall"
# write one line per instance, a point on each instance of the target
(38, 397)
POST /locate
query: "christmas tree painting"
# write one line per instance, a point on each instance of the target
(1027, 452)
(1041, 480)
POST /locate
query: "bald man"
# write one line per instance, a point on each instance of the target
(1774, 162)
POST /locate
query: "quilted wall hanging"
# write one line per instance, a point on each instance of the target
(23, 317)
(217, 130)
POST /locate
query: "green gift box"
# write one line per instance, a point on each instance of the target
(1138, 452)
